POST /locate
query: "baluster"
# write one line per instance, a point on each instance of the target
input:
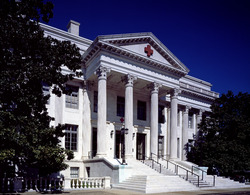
(96, 183)
(80, 183)
(83, 183)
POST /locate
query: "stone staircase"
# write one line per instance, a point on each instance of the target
(147, 179)
(170, 170)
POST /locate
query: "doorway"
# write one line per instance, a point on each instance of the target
(94, 142)
(119, 140)
(140, 143)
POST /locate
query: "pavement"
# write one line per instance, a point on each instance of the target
(239, 191)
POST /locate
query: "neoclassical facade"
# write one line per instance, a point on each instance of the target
(132, 82)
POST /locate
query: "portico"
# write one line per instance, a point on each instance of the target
(141, 88)
(130, 81)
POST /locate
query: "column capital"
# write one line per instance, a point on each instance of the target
(129, 79)
(154, 87)
(175, 92)
(187, 108)
(200, 112)
(102, 71)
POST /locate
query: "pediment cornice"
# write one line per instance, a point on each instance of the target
(113, 43)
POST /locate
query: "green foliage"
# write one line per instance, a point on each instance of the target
(223, 139)
(28, 60)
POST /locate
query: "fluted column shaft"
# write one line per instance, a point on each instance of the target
(185, 130)
(129, 80)
(102, 111)
(86, 125)
(173, 124)
(154, 118)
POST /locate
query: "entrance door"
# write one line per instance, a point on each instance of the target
(94, 142)
(140, 142)
(119, 140)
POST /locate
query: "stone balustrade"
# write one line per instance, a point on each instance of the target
(91, 183)
(20, 184)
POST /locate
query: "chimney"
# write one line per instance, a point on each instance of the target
(73, 27)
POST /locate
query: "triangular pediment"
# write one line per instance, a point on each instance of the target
(144, 47)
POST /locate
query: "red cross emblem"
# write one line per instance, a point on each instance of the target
(122, 120)
(148, 50)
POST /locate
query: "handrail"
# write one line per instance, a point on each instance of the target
(153, 161)
(203, 173)
(176, 167)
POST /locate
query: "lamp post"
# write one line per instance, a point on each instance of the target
(124, 131)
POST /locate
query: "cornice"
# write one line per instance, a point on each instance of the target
(100, 45)
(198, 92)
(64, 34)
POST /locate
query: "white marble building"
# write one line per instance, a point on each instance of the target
(129, 81)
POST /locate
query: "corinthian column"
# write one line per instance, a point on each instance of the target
(173, 123)
(101, 72)
(86, 125)
(154, 118)
(129, 80)
(185, 130)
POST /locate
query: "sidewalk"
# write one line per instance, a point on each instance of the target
(241, 191)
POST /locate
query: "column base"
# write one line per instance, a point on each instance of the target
(85, 157)
(128, 156)
(174, 159)
(100, 155)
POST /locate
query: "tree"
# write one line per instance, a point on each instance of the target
(223, 139)
(28, 60)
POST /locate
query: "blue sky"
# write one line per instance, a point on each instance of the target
(211, 37)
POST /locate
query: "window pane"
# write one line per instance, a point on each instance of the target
(120, 106)
(161, 117)
(46, 89)
(141, 110)
(95, 101)
(71, 137)
(74, 172)
(72, 98)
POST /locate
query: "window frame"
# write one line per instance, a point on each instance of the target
(74, 173)
(72, 99)
(120, 106)
(71, 130)
(141, 110)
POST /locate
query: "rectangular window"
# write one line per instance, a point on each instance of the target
(95, 101)
(74, 172)
(161, 146)
(120, 110)
(71, 137)
(141, 110)
(161, 117)
(72, 97)
(46, 89)
(190, 121)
